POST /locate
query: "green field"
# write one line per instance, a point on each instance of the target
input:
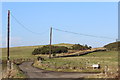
(24, 52)
(18, 52)
(82, 63)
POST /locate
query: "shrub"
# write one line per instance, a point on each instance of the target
(80, 47)
(46, 49)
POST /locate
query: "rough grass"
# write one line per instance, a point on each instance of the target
(14, 73)
(106, 58)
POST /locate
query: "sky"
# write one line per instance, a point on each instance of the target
(91, 18)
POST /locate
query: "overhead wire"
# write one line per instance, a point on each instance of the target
(22, 25)
(83, 34)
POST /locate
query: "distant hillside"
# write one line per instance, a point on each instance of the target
(113, 46)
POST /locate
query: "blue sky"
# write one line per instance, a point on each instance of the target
(93, 18)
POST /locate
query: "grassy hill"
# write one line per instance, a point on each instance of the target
(113, 46)
(25, 51)
(64, 44)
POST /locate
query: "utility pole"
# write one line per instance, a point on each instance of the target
(8, 40)
(50, 43)
(116, 40)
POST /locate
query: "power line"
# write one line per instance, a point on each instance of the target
(26, 27)
(83, 34)
(58, 30)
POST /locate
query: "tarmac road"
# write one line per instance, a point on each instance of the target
(32, 72)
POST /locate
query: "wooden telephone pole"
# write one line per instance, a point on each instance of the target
(8, 40)
(8, 35)
(50, 43)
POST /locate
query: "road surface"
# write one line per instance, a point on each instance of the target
(32, 72)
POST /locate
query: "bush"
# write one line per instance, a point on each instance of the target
(80, 47)
(46, 49)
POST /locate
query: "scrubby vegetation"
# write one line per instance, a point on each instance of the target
(46, 49)
(115, 46)
(80, 47)
(59, 49)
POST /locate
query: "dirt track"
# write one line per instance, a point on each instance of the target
(32, 72)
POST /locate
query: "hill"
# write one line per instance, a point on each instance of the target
(64, 44)
(115, 46)
(25, 51)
